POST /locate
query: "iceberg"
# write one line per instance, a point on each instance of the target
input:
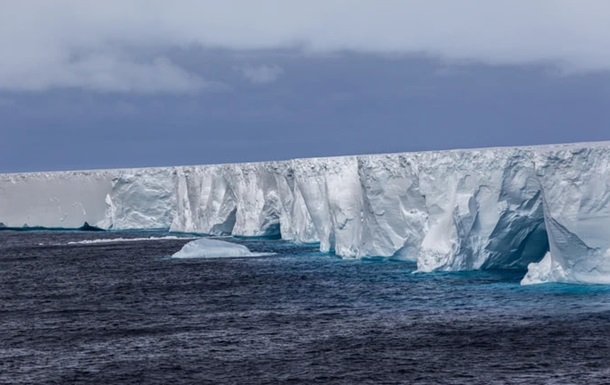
(212, 248)
(545, 209)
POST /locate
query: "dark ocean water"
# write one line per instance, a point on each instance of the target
(124, 313)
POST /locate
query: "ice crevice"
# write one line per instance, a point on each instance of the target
(544, 209)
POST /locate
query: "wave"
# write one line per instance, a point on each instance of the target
(119, 240)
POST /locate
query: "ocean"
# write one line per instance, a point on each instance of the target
(76, 308)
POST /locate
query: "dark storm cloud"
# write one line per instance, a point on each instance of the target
(337, 104)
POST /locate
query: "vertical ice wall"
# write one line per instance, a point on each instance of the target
(458, 210)
(394, 214)
(140, 198)
(54, 199)
(576, 194)
(473, 200)
(449, 210)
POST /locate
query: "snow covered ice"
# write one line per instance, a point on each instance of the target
(541, 208)
(212, 248)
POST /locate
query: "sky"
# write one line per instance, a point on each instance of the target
(136, 83)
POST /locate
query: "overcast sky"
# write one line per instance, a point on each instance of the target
(146, 83)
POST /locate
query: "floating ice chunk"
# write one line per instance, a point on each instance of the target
(544, 271)
(212, 248)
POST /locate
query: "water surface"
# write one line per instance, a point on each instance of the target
(124, 313)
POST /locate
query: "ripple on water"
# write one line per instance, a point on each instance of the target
(121, 312)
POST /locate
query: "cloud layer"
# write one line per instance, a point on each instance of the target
(121, 45)
(262, 74)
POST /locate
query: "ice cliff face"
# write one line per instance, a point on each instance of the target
(575, 189)
(59, 199)
(545, 207)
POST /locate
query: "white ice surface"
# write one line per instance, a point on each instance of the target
(212, 248)
(54, 199)
(446, 210)
(575, 186)
(544, 271)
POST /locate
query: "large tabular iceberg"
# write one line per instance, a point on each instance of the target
(544, 208)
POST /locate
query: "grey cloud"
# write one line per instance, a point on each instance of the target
(105, 72)
(261, 74)
(39, 38)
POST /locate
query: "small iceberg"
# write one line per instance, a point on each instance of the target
(213, 248)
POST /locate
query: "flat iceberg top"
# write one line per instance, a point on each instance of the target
(541, 148)
(212, 248)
